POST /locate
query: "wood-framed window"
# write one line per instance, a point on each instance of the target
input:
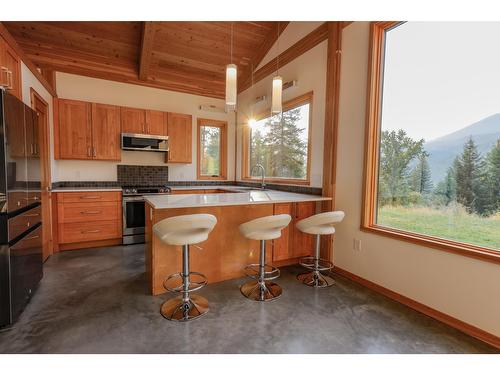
(211, 149)
(281, 143)
(412, 192)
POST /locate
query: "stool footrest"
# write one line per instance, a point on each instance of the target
(316, 264)
(193, 284)
(270, 272)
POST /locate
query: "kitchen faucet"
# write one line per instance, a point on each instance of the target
(263, 172)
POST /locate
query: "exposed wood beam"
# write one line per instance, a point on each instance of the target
(24, 58)
(334, 35)
(305, 44)
(146, 53)
(261, 52)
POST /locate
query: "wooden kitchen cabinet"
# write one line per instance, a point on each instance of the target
(88, 131)
(133, 120)
(10, 69)
(75, 129)
(180, 140)
(293, 243)
(156, 122)
(106, 132)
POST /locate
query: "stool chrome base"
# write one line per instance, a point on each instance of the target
(261, 291)
(315, 279)
(177, 310)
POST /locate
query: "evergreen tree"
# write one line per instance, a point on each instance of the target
(397, 150)
(470, 179)
(285, 146)
(493, 173)
(446, 190)
(420, 179)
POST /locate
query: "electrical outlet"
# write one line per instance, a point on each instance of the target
(356, 244)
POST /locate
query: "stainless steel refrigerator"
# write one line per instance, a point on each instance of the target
(20, 207)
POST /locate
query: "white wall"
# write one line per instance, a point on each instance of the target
(462, 287)
(309, 70)
(76, 87)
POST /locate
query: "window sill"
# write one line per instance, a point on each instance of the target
(472, 251)
(218, 178)
(278, 181)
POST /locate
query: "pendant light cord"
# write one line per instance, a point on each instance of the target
(278, 50)
(232, 26)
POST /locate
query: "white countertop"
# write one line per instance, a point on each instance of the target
(241, 197)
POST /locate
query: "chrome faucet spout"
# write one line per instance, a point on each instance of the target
(263, 175)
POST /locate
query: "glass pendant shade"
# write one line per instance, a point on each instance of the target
(276, 106)
(231, 85)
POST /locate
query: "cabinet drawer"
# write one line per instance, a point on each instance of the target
(89, 196)
(92, 211)
(82, 232)
(20, 223)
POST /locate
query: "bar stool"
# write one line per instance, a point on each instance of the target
(263, 229)
(318, 225)
(183, 231)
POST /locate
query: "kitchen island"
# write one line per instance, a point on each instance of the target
(226, 252)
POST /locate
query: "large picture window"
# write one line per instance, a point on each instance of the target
(433, 135)
(280, 143)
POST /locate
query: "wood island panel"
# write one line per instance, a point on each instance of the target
(222, 256)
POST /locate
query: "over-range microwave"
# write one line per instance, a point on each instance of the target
(144, 142)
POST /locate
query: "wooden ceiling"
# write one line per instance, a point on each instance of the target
(181, 56)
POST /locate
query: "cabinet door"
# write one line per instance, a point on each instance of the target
(12, 75)
(179, 138)
(156, 122)
(133, 120)
(281, 246)
(105, 132)
(75, 134)
(302, 243)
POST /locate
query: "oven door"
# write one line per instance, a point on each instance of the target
(133, 215)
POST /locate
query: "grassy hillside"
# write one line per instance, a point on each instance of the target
(452, 223)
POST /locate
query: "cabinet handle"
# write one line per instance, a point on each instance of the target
(90, 212)
(32, 149)
(11, 80)
(95, 154)
(3, 77)
(90, 231)
(90, 197)
(31, 215)
(32, 237)
(89, 151)
(30, 199)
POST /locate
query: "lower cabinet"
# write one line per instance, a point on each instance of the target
(293, 243)
(87, 219)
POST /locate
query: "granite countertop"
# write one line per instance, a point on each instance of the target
(241, 196)
(77, 189)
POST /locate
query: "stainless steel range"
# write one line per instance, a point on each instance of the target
(133, 211)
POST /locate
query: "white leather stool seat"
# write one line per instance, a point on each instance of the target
(185, 229)
(321, 223)
(265, 228)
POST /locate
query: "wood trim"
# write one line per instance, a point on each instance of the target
(290, 104)
(462, 326)
(50, 76)
(334, 58)
(311, 40)
(146, 51)
(372, 137)
(55, 120)
(262, 51)
(90, 244)
(223, 148)
(29, 64)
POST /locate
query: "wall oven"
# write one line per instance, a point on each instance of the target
(134, 212)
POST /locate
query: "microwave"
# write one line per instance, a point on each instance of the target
(144, 142)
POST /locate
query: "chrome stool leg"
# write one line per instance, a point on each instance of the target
(187, 306)
(262, 289)
(314, 277)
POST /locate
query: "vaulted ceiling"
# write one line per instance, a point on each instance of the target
(181, 56)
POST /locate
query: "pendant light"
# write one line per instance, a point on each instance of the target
(231, 79)
(277, 91)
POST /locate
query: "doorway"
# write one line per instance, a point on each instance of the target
(42, 129)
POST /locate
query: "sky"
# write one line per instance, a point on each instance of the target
(440, 76)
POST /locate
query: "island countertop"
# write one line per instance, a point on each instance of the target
(238, 197)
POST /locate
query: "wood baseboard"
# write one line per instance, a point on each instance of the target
(466, 328)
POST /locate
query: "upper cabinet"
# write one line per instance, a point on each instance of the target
(180, 128)
(88, 131)
(144, 121)
(10, 69)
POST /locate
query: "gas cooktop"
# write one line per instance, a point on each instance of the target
(145, 190)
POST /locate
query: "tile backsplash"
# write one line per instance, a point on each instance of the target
(141, 175)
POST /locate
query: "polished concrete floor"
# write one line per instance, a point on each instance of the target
(95, 301)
